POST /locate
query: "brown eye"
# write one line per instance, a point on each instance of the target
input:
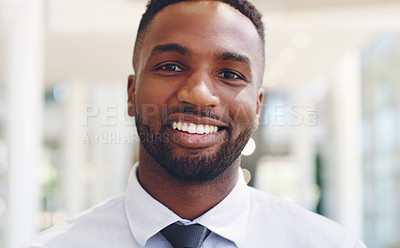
(229, 75)
(170, 67)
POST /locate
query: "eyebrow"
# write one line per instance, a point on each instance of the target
(184, 51)
(225, 56)
(171, 48)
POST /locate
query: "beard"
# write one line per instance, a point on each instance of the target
(195, 166)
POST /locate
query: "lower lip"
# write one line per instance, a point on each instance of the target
(196, 140)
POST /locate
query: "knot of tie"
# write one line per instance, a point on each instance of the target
(181, 236)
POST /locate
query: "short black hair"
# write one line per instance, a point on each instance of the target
(154, 6)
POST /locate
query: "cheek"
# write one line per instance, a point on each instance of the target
(243, 114)
(147, 104)
(243, 110)
(152, 101)
(152, 92)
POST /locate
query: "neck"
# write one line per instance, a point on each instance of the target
(188, 200)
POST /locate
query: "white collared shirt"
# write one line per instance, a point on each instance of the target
(244, 218)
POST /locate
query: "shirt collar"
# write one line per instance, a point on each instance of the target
(229, 218)
(147, 216)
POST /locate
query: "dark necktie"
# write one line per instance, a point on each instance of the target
(181, 236)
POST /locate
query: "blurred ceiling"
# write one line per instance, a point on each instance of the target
(92, 40)
(285, 5)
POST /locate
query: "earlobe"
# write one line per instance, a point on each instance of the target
(131, 95)
(259, 106)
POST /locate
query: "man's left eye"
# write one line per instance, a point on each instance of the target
(229, 75)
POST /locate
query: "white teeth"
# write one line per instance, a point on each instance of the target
(184, 127)
(200, 129)
(207, 129)
(193, 128)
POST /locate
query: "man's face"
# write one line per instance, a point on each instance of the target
(196, 90)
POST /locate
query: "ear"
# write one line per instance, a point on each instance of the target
(259, 106)
(131, 95)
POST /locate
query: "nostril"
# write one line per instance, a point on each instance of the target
(198, 89)
(200, 96)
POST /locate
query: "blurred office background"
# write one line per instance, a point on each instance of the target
(329, 138)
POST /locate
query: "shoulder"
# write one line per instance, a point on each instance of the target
(79, 231)
(290, 223)
(275, 208)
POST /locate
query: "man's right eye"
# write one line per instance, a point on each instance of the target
(170, 67)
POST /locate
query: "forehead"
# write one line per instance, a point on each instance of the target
(204, 27)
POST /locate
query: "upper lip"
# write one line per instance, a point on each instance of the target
(196, 119)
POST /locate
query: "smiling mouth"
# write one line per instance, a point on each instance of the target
(194, 128)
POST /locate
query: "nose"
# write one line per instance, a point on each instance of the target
(198, 90)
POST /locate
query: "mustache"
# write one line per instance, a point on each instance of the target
(195, 110)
